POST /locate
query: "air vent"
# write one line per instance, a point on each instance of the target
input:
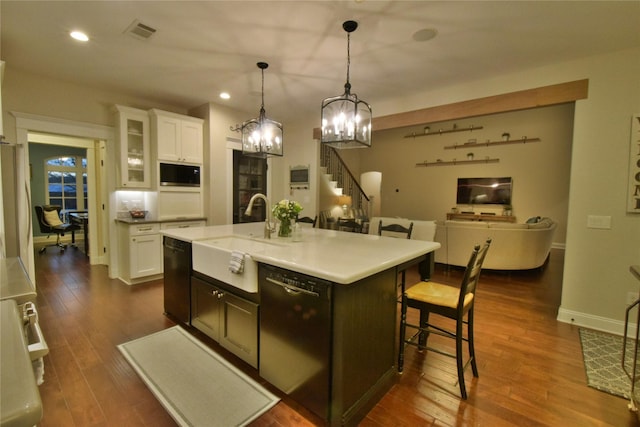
(140, 31)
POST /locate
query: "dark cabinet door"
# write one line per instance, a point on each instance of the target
(249, 178)
(205, 307)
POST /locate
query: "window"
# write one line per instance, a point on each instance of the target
(66, 182)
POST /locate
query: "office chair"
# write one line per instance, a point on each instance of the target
(50, 223)
(396, 230)
(450, 302)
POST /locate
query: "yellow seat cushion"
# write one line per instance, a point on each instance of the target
(437, 294)
(52, 218)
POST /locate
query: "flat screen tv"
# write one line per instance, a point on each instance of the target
(482, 191)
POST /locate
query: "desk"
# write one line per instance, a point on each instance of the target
(81, 218)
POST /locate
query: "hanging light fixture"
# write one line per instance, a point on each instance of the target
(262, 137)
(346, 120)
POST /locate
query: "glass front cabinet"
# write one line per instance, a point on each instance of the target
(249, 178)
(134, 146)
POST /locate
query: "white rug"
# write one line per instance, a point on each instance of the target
(194, 384)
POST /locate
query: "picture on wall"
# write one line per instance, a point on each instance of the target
(633, 203)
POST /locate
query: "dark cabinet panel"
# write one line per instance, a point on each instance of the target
(249, 178)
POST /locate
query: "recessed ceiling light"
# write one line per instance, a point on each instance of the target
(225, 95)
(79, 35)
(424, 34)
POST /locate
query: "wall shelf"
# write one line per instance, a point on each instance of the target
(442, 131)
(488, 143)
(457, 162)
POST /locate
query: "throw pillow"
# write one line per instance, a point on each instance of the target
(52, 218)
(533, 220)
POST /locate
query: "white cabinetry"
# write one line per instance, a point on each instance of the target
(140, 252)
(178, 138)
(182, 224)
(134, 147)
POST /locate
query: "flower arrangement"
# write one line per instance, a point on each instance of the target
(285, 211)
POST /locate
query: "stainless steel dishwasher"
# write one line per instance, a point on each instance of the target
(295, 336)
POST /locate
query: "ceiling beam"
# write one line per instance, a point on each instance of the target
(521, 100)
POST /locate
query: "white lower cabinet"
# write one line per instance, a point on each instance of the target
(140, 252)
(140, 255)
(227, 318)
(182, 224)
(145, 255)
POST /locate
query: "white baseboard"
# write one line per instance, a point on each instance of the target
(66, 239)
(596, 322)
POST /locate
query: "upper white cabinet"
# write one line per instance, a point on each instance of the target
(178, 138)
(134, 147)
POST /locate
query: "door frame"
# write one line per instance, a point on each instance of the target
(103, 136)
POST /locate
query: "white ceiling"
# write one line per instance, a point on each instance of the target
(202, 48)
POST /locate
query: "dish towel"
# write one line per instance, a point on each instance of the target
(236, 263)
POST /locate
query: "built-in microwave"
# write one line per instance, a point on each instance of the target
(174, 175)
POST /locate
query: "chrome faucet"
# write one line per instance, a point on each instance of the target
(267, 221)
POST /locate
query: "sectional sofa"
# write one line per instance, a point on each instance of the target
(513, 247)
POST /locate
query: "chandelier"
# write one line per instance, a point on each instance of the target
(261, 137)
(346, 120)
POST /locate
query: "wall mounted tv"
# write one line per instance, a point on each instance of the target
(482, 191)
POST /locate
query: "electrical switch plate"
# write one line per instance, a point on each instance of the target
(599, 221)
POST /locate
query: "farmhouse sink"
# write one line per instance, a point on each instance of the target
(211, 257)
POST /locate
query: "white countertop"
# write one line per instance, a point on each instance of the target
(19, 394)
(338, 256)
(14, 281)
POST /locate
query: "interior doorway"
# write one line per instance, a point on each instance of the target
(60, 169)
(96, 139)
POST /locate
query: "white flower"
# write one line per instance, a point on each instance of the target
(286, 209)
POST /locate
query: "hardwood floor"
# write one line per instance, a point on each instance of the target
(531, 369)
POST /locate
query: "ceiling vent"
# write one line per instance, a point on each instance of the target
(140, 31)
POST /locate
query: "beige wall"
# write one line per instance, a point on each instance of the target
(540, 170)
(596, 276)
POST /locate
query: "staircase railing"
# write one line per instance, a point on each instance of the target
(331, 160)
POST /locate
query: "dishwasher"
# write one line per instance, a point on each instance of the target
(177, 284)
(295, 336)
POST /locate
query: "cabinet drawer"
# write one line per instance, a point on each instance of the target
(181, 224)
(142, 229)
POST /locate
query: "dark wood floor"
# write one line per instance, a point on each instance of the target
(531, 369)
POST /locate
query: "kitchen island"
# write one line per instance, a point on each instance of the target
(359, 273)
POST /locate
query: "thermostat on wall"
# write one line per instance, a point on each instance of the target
(299, 177)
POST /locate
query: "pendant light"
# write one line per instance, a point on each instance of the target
(261, 137)
(346, 120)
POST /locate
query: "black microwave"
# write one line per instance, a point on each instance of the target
(173, 175)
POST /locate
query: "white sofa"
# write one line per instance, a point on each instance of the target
(513, 247)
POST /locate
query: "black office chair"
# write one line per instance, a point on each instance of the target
(396, 230)
(50, 223)
(450, 302)
(308, 220)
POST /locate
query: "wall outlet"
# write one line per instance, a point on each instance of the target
(631, 297)
(599, 221)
